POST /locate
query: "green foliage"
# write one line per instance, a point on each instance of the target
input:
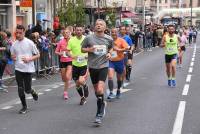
(72, 13)
(111, 18)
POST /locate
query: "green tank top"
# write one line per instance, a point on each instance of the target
(171, 46)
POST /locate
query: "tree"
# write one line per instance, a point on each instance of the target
(72, 12)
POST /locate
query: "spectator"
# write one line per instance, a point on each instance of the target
(37, 28)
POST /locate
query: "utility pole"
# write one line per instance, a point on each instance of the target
(191, 2)
(121, 13)
(98, 8)
(33, 11)
(144, 14)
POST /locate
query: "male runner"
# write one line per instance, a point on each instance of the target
(79, 63)
(99, 47)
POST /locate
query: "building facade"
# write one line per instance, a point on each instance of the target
(8, 15)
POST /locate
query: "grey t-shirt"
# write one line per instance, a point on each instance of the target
(24, 48)
(102, 45)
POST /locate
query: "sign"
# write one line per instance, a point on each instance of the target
(26, 3)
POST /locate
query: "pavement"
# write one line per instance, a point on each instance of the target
(147, 106)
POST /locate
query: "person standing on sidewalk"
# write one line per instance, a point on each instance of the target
(65, 61)
(170, 45)
(24, 52)
(79, 70)
(3, 59)
(99, 47)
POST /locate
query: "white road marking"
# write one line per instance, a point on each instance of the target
(18, 102)
(56, 86)
(193, 59)
(40, 93)
(126, 84)
(188, 79)
(6, 107)
(47, 90)
(192, 64)
(179, 118)
(186, 89)
(190, 70)
(29, 98)
(61, 84)
(193, 56)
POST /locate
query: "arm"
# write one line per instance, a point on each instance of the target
(163, 42)
(86, 47)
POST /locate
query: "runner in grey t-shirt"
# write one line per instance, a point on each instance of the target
(98, 47)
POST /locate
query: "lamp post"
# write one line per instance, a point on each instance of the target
(33, 11)
(98, 8)
(121, 13)
(144, 16)
(191, 12)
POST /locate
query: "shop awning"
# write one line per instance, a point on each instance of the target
(128, 14)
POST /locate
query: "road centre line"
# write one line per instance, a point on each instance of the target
(6, 107)
(190, 70)
(185, 89)
(177, 128)
(188, 79)
(192, 64)
(193, 59)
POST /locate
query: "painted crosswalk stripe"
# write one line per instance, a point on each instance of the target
(188, 79)
(186, 89)
(190, 70)
(18, 102)
(47, 90)
(179, 118)
(6, 107)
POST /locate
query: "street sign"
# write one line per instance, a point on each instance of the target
(26, 3)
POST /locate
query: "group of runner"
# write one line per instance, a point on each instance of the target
(98, 55)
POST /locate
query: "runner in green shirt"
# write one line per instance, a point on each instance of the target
(170, 45)
(79, 73)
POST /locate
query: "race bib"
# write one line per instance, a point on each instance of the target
(100, 49)
(19, 59)
(114, 54)
(65, 54)
(80, 59)
(170, 49)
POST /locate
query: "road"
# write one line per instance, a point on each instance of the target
(147, 106)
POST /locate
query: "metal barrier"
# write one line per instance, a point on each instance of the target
(47, 64)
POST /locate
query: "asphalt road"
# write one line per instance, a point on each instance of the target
(147, 106)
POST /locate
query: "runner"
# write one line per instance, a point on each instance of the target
(170, 45)
(181, 48)
(128, 55)
(116, 63)
(79, 63)
(65, 61)
(99, 47)
(24, 52)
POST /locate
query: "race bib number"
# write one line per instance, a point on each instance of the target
(170, 49)
(114, 54)
(100, 49)
(80, 59)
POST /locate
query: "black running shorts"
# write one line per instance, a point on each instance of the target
(78, 71)
(97, 75)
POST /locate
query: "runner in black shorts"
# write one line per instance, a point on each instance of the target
(99, 47)
(79, 62)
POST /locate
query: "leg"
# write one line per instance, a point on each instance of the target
(20, 84)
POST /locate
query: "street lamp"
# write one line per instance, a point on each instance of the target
(98, 9)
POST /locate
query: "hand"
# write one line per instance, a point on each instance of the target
(108, 56)
(26, 59)
(90, 49)
(14, 57)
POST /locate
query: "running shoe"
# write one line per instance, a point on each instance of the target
(35, 95)
(118, 95)
(98, 119)
(65, 95)
(111, 96)
(174, 83)
(83, 101)
(170, 83)
(23, 110)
